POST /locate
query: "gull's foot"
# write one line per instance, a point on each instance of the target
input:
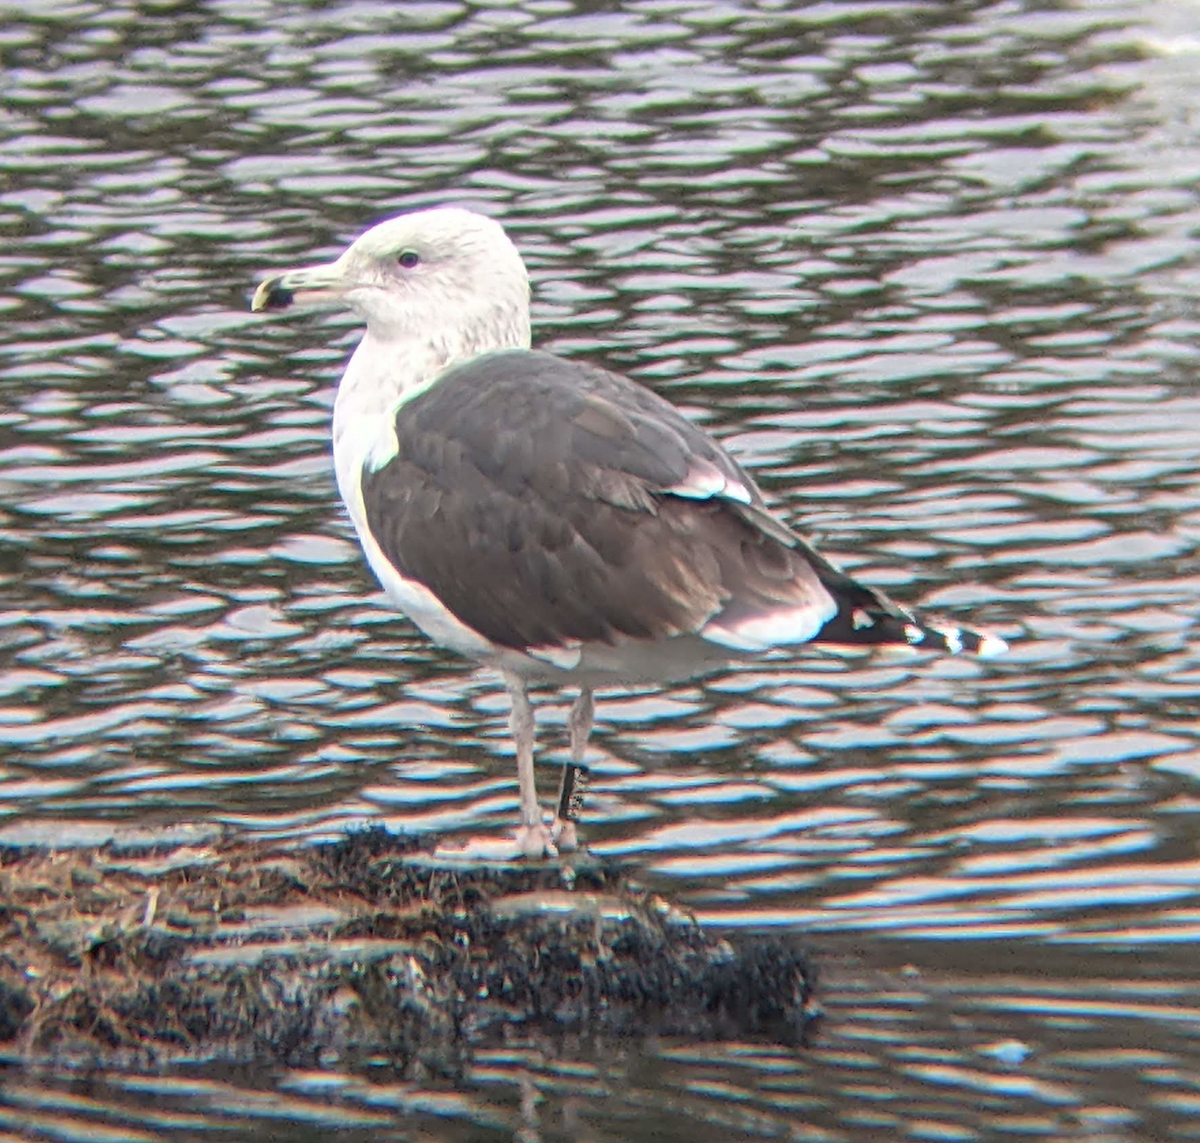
(531, 842)
(536, 841)
(563, 835)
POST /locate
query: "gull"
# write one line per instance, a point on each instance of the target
(556, 521)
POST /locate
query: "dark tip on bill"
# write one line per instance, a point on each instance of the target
(271, 295)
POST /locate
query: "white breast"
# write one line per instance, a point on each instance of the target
(363, 432)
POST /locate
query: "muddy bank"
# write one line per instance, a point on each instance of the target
(365, 949)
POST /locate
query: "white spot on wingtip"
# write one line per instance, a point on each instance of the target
(860, 619)
(990, 646)
(953, 637)
(913, 633)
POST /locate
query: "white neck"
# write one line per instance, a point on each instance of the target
(380, 375)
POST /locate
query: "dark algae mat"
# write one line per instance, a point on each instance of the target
(366, 949)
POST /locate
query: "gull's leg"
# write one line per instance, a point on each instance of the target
(533, 838)
(575, 774)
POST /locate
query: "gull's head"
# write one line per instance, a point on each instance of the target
(445, 273)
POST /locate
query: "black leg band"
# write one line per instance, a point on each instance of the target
(572, 792)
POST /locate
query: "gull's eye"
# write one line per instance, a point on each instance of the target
(408, 259)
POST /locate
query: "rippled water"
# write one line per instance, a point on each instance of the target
(928, 268)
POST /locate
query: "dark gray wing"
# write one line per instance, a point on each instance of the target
(548, 503)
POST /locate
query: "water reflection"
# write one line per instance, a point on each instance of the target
(960, 1054)
(927, 268)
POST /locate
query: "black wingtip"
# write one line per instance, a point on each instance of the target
(869, 619)
(953, 640)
